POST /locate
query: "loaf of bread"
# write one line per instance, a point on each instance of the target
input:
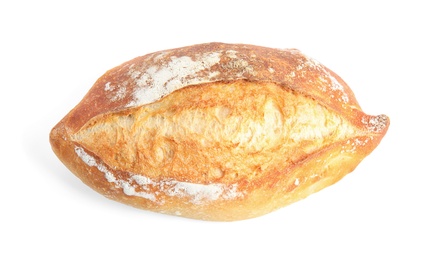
(216, 131)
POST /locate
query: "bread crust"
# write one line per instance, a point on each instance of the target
(142, 134)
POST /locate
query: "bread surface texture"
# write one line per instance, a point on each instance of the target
(216, 131)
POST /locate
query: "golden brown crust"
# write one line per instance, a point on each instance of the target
(210, 63)
(216, 131)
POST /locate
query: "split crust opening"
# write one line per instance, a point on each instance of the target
(205, 134)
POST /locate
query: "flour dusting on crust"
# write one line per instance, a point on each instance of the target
(329, 82)
(375, 123)
(158, 81)
(142, 186)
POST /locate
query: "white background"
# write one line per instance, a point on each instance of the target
(53, 51)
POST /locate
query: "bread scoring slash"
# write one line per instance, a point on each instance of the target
(216, 131)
